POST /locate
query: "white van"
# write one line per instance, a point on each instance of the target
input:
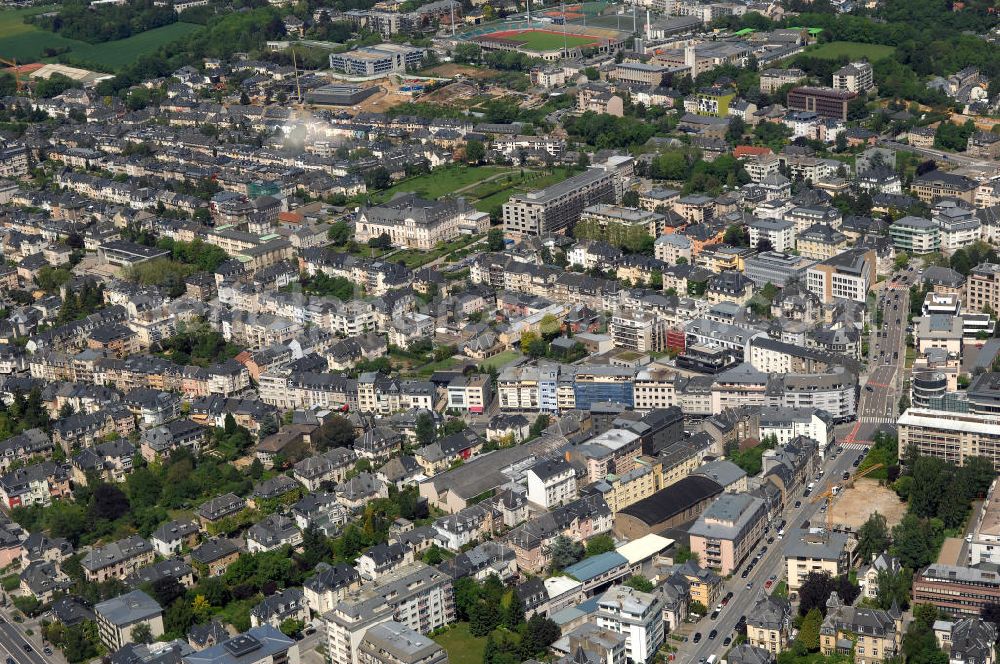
(712, 659)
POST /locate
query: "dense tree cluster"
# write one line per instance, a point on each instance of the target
(198, 344)
(605, 131)
(816, 588)
(77, 19)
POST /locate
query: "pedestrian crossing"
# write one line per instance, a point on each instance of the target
(856, 446)
(878, 420)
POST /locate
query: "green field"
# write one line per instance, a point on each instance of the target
(537, 181)
(501, 359)
(441, 182)
(461, 646)
(537, 40)
(852, 50)
(117, 54)
(27, 43)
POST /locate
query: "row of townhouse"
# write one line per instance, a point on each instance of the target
(228, 378)
(370, 393)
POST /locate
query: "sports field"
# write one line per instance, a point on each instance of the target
(853, 50)
(545, 40)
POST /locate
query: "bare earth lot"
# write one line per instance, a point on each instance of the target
(853, 507)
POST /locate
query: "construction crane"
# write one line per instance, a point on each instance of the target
(17, 72)
(832, 492)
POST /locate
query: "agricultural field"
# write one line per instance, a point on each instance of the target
(25, 42)
(852, 50)
(28, 43)
(114, 55)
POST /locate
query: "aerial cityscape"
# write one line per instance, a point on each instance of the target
(499, 331)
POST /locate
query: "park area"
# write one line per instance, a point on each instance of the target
(28, 43)
(855, 504)
(853, 50)
(461, 646)
(545, 40)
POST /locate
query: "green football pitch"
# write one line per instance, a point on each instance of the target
(541, 40)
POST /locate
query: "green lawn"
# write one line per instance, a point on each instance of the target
(441, 182)
(414, 258)
(538, 40)
(853, 50)
(28, 43)
(501, 359)
(444, 365)
(461, 646)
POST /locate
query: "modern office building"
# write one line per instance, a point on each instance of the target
(828, 102)
(915, 235)
(951, 436)
(957, 590)
(774, 267)
(847, 276)
(380, 60)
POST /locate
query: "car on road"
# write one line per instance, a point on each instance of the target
(727, 641)
(27, 647)
(798, 503)
(10, 660)
(770, 540)
(745, 573)
(767, 584)
(846, 475)
(749, 585)
(47, 650)
(715, 614)
(697, 637)
(868, 388)
(711, 635)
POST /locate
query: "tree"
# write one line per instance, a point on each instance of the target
(475, 152)
(494, 239)
(291, 626)
(809, 631)
(563, 552)
(512, 610)
(816, 589)
(600, 544)
(697, 608)
(108, 502)
(540, 633)
(142, 633)
(335, 432)
(893, 588)
(640, 583)
(425, 429)
(840, 143)
(913, 540)
(873, 537)
(540, 424)
(483, 618)
(339, 233)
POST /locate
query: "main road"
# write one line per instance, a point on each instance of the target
(13, 641)
(747, 591)
(879, 401)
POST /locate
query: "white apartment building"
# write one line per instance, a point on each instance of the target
(636, 615)
(551, 482)
(636, 330)
(778, 232)
(855, 77)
